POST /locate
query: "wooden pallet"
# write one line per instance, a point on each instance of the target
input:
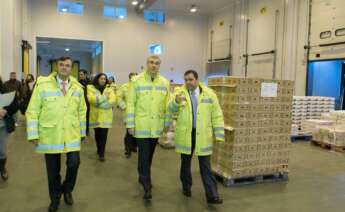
(251, 180)
(295, 138)
(329, 146)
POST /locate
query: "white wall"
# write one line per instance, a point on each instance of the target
(126, 42)
(10, 37)
(291, 37)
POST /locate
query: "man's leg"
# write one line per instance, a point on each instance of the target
(72, 163)
(185, 173)
(146, 149)
(208, 179)
(127, 141)
(53, 164)
(152, 146)
(134, 144)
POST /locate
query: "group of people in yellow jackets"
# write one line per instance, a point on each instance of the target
(56, 124)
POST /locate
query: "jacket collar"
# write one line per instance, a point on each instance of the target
(148, 76)
(72, 81)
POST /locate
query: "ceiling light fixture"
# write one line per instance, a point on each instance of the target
(121, 17)
(134, 3)
(193, 9)
(64, 9)
(67, 49)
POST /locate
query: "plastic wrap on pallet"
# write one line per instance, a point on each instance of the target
(310, 107)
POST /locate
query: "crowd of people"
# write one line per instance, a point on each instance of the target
(60, 110)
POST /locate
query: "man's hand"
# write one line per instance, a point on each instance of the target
(35, 142)
(180, 98)
(3, 113)
(131, 131)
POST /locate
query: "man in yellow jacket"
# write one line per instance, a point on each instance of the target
(129, 141)
(56, 124)
(199, 121)
(147, 116)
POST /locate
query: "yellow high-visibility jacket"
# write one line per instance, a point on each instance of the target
(209, 123)
(57, 121)
(101, 107)
(147, 103)
(122, 96)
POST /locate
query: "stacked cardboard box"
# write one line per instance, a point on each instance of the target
(257, 114)
(310, 107)
(310, 126)
(330, 129)
(337, 116)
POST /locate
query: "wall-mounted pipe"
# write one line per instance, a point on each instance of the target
(276, 33)
(246, 57)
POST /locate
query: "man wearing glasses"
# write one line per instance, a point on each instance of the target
(147, 116)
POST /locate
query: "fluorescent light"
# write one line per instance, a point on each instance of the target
(193, 9)
(64, 9)
(135, 3)
(121, 17)
(67, 49)
(142, 6)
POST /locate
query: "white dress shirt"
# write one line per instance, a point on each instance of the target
(60, 83)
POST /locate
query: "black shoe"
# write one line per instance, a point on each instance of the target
(54, 206)
(4, 175)
(215, 201)
(128, 154)
(148, 195)
(101, 158)
(187, 193)
(3, 170)
(68, 198)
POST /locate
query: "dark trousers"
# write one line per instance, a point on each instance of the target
(53, 164)
(208, 179)
(130, 143)
(101, 135)
(146, 150)
(87, 119)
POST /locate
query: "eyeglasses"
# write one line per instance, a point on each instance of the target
(155, 63)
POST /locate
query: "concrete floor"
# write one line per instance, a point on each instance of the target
(317, 182)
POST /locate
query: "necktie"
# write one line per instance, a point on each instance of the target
(194, 101)
(63, 89)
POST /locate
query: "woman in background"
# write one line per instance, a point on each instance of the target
(102, 99)
(28, 87)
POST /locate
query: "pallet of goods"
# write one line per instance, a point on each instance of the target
(257, 114)
(329, 132)
(308, 107)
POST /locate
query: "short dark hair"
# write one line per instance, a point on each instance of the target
(132, 74)
(64, 59)
(195, 74)
(13, 72)
(83, 70)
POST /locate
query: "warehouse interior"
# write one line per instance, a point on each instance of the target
(296, 45)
